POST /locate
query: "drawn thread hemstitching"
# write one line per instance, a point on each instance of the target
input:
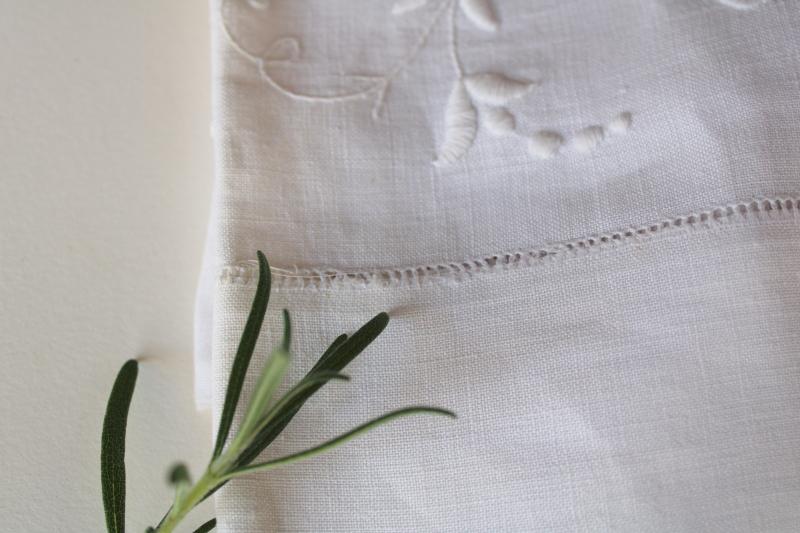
(244, 272)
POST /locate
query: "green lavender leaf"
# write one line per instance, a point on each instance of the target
(343, 350)
(208, 526)
(270, 379)
(112, 447)
(331, 349)
(263, 420)
(287, 331)
(318, 378)
(244, 353)
(269, 433)
(338, 441)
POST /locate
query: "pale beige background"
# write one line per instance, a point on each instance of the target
(105, 182)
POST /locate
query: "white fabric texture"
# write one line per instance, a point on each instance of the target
(471, 166)
(647, 386)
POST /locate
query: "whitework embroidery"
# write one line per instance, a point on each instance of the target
(473, 96)
(742, 4)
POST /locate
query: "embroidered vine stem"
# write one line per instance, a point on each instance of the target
(454, 39)
(263, 62)
(379, 84)
(410, 57)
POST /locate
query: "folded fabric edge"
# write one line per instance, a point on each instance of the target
(209, 272)
(203, 323)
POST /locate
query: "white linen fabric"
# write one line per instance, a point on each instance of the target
(647, 386)
(471, 166)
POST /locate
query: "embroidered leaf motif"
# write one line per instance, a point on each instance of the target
(588, 139)
(284, 49)
(742, 4)
(499, 121)
(495, 89)
(481, 13)
(620, 124)
(303, 82)
(404, 6)
(461, 126)
(545, 144)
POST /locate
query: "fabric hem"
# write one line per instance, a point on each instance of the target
(322, 278)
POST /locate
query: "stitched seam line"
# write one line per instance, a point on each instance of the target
(246, 271)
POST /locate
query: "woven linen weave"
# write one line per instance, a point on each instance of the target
(606, 379)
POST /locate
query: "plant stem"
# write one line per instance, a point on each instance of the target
(194, 496)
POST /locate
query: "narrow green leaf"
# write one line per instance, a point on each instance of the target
(244, 353)
(208, 526)
(351, 347)
(343, 350)
(269, 434)
(319, 378)
(287, 331)
(112, 447)
(338, 441)
(355, 345)
(332, 348)
(271, 378)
